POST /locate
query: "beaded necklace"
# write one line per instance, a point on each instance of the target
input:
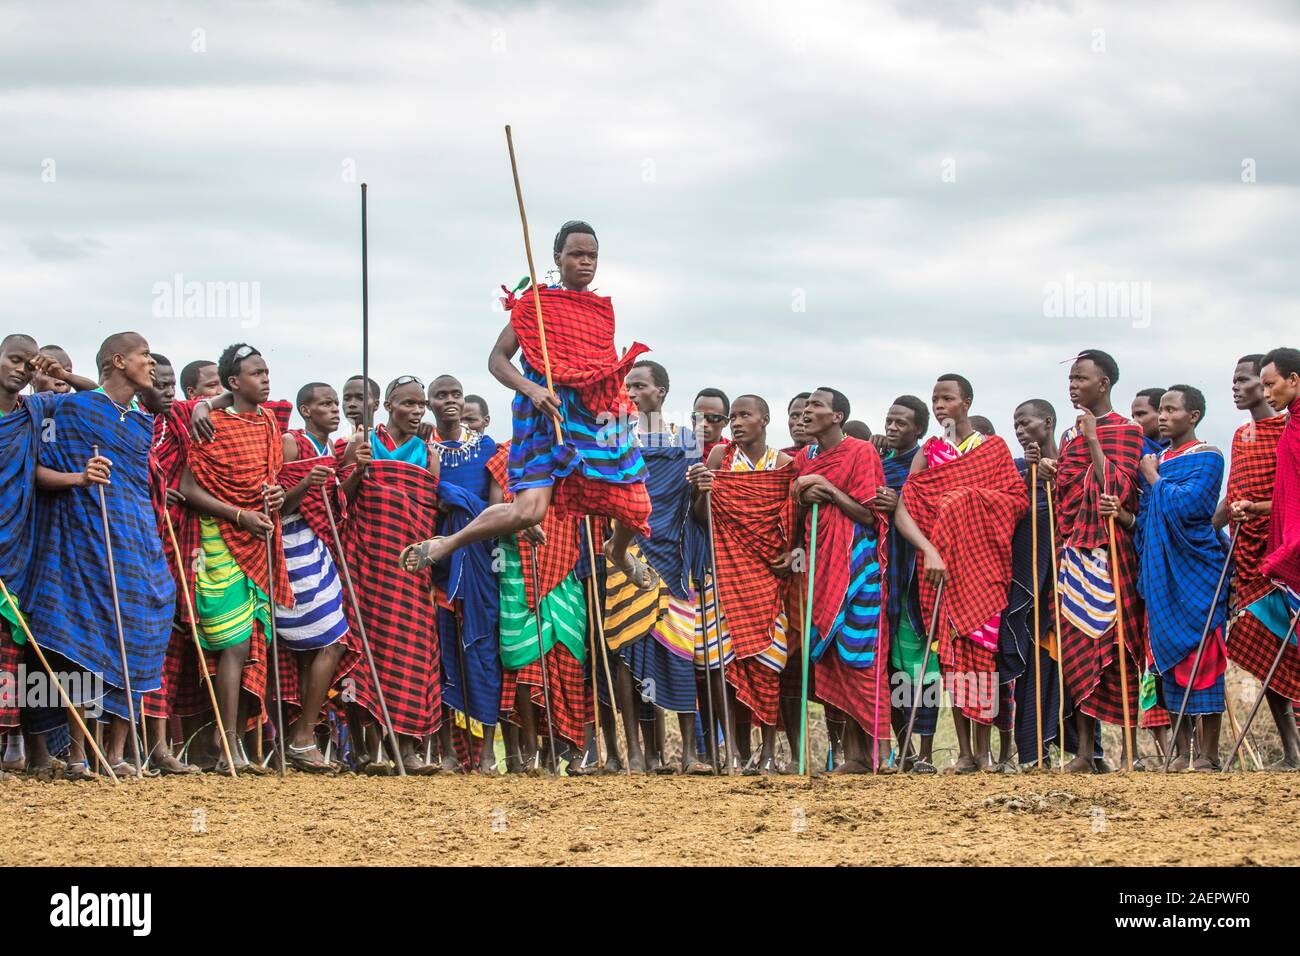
(469, 441)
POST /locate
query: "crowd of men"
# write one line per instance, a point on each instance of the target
(386, 599)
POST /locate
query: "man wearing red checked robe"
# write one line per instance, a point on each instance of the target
(849, 634)
(748, 488)
(1266, 609)
(1096, 474)
(960, 510)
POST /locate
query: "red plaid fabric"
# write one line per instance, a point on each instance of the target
(281, 410)
(1283, 560)
(245, 453)
(1079, 522)
(560, 554)
(252, 680)
(758, 689)
(168, 458)
(579, 344)
(753, 524)
(1091, 667)
(969, 509)
(570, 703)
(576, 495)
(396, 504)
(171, 449)
(860, 693)
(854, 467)
(970, 672)
(158, 703)
(796, 599)
(1250, 478)
(1252, 646)
(11, 655)
(1156, 717)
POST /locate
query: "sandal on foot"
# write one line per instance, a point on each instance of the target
(579, 768)
(79, 770)
(375, 768)
(297, 758)
(633, 567)
(124, 768)
(421, 551)
(185, 771)
(697, 768)
(922, 766)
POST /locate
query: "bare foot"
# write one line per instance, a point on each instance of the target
(1080, 764)
(966, 764)
(853, 767)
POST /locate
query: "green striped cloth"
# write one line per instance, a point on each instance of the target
(564, 614)
(225, 601)
(907, 650)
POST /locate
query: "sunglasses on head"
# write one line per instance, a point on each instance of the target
(399, 382)
(713, 418)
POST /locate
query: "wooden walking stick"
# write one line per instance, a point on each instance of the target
(87, 736)
(280, 729)
(728, 743)
(532, 275)
(198, 645)
(541, 657)
(361, 630)
(589, 593)
(805, 765)
(1038, 661)
(1060, 654)
(121, 634)
(1200, 651)
(1122, 648)
(918, 687)
(1263, 691)
(604, 654)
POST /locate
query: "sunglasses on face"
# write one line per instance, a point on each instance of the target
(711, 417)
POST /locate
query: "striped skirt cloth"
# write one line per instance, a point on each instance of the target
(317, 618)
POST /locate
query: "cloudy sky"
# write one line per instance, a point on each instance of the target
(861, 195)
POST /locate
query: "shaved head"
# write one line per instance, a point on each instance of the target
(117, 344)
(18, 338)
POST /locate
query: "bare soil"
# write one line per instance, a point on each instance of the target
(1029, 819)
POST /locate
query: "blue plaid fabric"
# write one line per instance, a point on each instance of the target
(856, 629)
(1180, 556)
(601, 448)
(674, 541)
(467, 576)
(70, 605)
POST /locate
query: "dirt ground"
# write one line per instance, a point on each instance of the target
(1030, 819)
